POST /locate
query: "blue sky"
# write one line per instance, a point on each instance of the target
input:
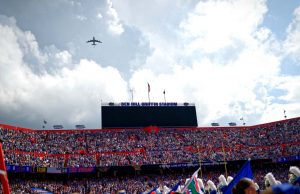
(232, 59)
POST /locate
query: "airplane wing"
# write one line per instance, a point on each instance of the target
(94, 41)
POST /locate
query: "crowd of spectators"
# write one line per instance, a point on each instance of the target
(87, 148)
(139, 183)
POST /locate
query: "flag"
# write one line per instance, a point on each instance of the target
(174, 189)
(245, 172)
(3, 175)
(241, 118)
(45, 122)
(192, 186)
(121, 192)
(40, 190)
(153, 191)
(148, 87)
(164, 92)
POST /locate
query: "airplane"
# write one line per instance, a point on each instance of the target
(94, 41)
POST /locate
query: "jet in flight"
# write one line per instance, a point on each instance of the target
(94, 41)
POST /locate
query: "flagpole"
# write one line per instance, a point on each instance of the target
(199, 158)
(3, 172)
(131, 91)
(149, 92)
(101, 113)
(199, 161)
(191, 179)
(245, 171)
(224, 160)
(195, 174)
(165, 95)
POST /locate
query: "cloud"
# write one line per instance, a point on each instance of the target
(81, 17)
(114, 24)
(63, 58)
(291, 84)
(69, 96)
(99, 16)
(289, 100)
(214, 25)
(230, 91)
(291, 45)
(26, 42)
(228, 64)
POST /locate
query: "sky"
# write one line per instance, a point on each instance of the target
(232, 58)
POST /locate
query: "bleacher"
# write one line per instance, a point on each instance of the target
(144, 156)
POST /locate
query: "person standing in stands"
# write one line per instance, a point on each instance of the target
(294, 176)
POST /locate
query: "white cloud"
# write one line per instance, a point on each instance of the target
(231, 90)
(99, 16)
(290, 99)
(263, 34)
(114, 24)
(26, 41)
(81, 17)
(63, 58)
(214, 25)
(158, 22)
(218, 55)
(292, 46)
(70, 96)
(291, 85)
(222, 89)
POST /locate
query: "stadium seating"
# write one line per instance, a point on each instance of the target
(90, 148)
(137, 147)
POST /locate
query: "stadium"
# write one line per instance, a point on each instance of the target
(146, 148)
(150, 97)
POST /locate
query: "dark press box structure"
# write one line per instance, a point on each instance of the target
(134, 114)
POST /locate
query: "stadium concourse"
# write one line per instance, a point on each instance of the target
(137, 160)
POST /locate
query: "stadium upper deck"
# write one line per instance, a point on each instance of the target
(140, 146)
